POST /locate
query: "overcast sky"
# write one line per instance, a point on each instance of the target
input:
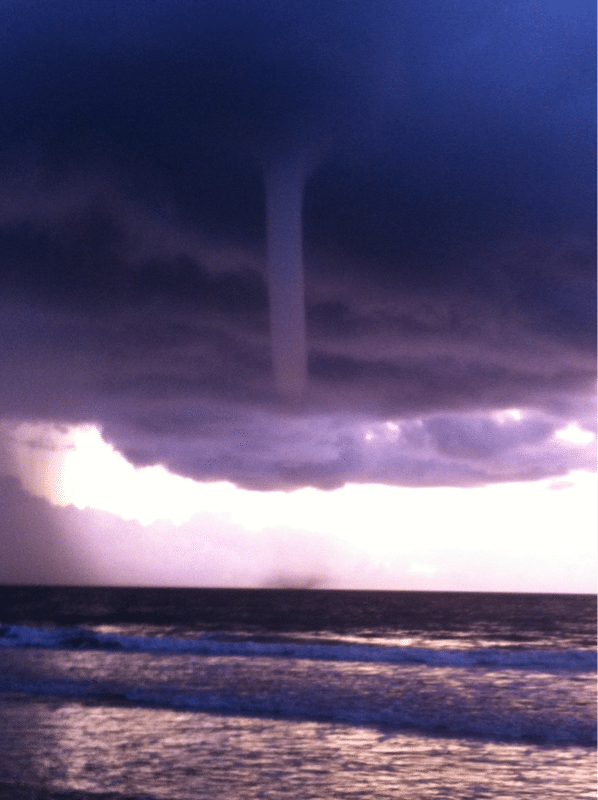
(449, 252)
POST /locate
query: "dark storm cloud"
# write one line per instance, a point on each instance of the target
(449, 234)
(264, 452)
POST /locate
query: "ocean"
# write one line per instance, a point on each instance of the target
(202, 694)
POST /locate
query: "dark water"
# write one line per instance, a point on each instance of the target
(180, 694)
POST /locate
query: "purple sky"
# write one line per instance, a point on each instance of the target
(449, 244)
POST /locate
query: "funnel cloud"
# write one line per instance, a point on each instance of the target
(284, 199)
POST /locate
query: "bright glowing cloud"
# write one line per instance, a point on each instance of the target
(398, 529)
(508, 415)
(572, 433)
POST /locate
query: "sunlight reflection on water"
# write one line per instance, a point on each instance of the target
(64, 746)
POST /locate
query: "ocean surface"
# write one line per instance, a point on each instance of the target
(202, 694)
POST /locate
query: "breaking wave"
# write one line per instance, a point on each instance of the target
(20, 636)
